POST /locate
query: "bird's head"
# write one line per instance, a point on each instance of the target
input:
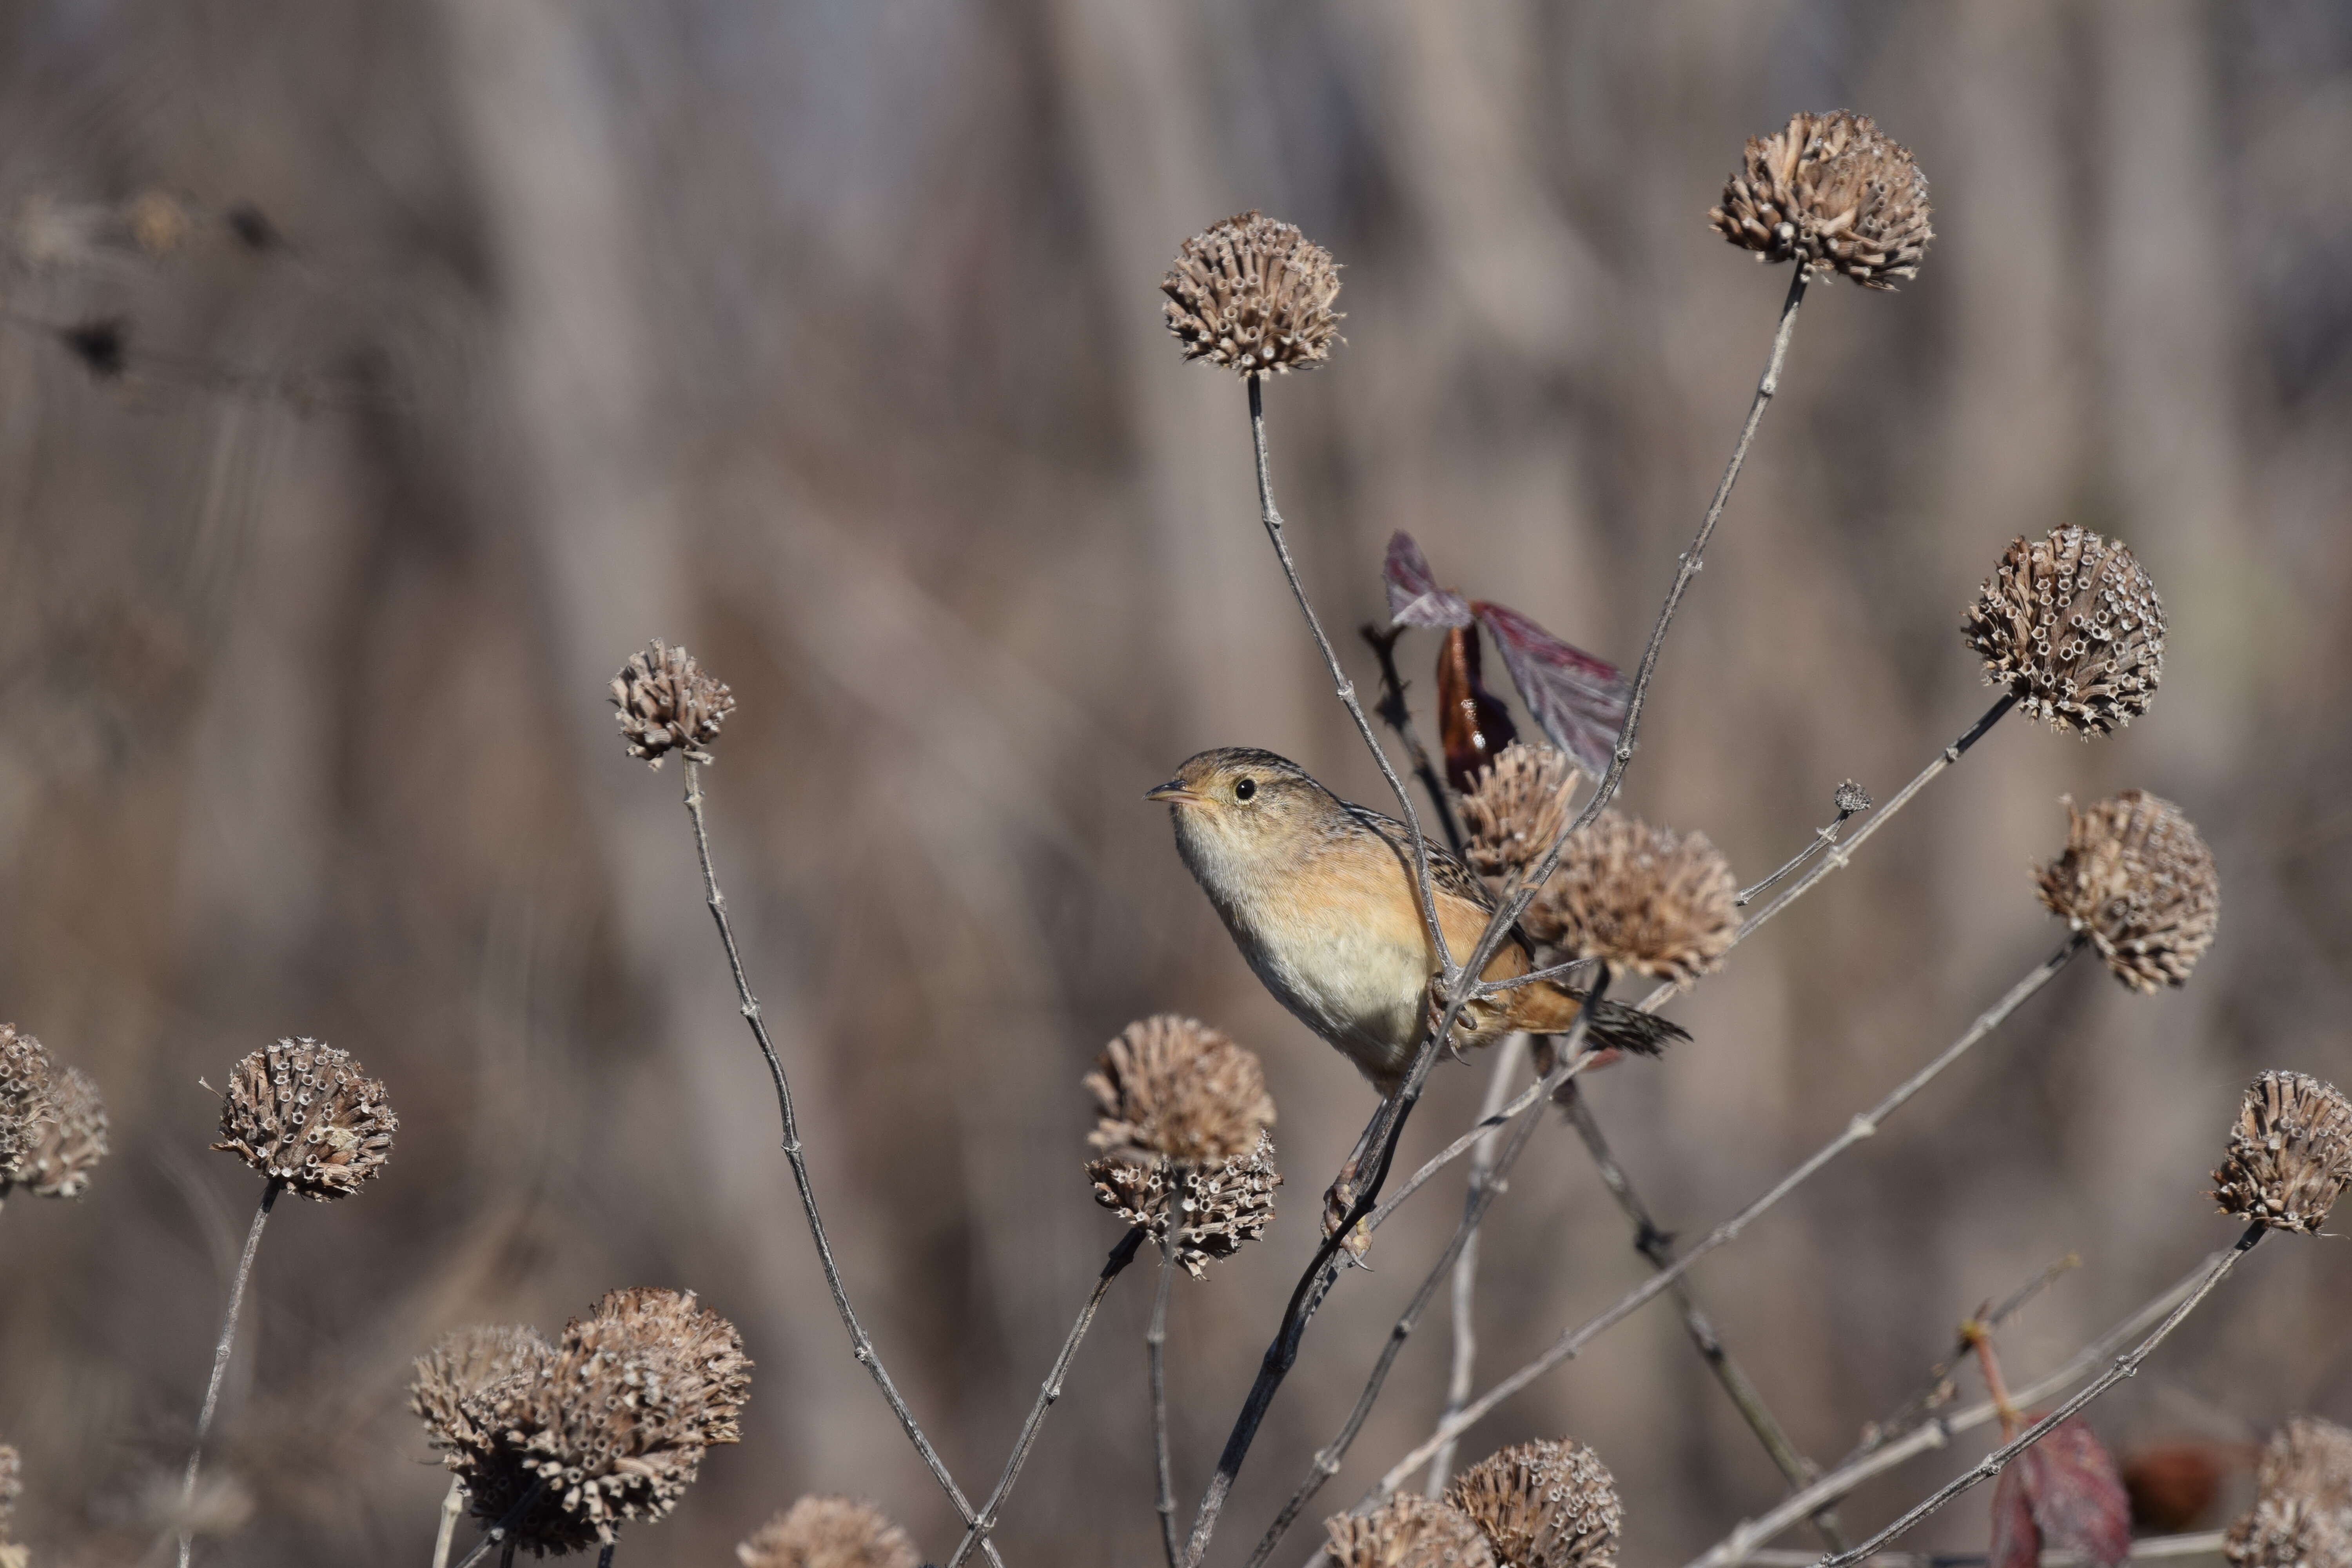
(1239, 805)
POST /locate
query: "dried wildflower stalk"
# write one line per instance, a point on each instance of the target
(1254, 296)
(1407, 1532)
(2302, 1516)
(829, 1532)
(1641, 898)
(666, 703)
(2290, 1155)
(1543, 1505)
(860, 1342)
(1833, 193)
(1173, 1087)
(562, 1444)
(2139, 882)
(2071, 627)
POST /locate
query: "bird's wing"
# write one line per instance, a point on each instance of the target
(1449, 875)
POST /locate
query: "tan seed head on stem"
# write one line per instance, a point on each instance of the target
(2290, 1155)
(1543, 1505)
(1831, 193)
(1640, 897)
(2302, 1516)
(1407, 1532)
(2073, 626)
(666, 703)
(2139, 880)
(1254, 296)
(829, 1532)
(301, 1112)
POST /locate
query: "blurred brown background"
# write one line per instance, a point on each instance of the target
(823, 336)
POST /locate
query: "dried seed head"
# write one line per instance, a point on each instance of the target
(1407, 1532)
(1543, 1505)
(1226, 1201)
(1850, 797)
(1516, 807)
(2137, 878)
(608, 1424)
(1643, 898)
(2073, 626)
(2302, 1516)
(667, 704)
(829, 1532)
(1173, 1086)
(1830, 193)
(301, 1112)
(2290, 1155)
(66, 1144)
(1253, 296)
(25, 1104)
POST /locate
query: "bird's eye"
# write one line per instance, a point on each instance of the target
(1245, 789)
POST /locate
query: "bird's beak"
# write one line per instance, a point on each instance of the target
(1174, 792)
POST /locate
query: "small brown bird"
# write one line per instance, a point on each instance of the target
(1321, 898)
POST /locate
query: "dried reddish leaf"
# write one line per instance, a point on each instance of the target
(2173, 1484)
(2063, 1494)
(1579, 699)
(1472, 722)
(1414, 597)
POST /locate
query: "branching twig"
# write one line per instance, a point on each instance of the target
(1120, 1257)
(2148, 1548)
(1395, 713)
(1465, 1267)
(1741, 1543)
(1822, 839)
(1938, 1388)
(861, 1345)
(220, 1362)
(2124, 1367)
(1658, 1246)
(1860, 1127)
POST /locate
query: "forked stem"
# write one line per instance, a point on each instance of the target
(861, 1345)
(220, 1363)
(1113, 1265)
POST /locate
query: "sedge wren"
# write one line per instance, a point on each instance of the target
(1323, 899)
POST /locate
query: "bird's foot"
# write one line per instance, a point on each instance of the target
(1337, 1201)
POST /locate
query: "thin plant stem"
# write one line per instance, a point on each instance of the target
(2147, 1548)
(1120, 1257)
(1397, 714)
(861, 1345)
(604, 1558)
(1876, 1460)
(1155, 1340)
(1862, 1126)
(220, 1361)
(1658, 1246)
(1480, 1198)
(1465, 1267)
(1455, 982)
(1823, 839)
(452, 1505)
(2124, 1366)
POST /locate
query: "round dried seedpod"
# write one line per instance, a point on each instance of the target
(2302, 1516)
(667, 704)
(2073, 626)
(1254, 296)
(1643, 899)
(2137, 879)
(607, 1425)
(1543, 1505)
(1831, 193)
(1517, 807)
(301, 1112)
(2290, 1155)
(1407, 1532)
(1226, 1203)
(24, 1103)
(66, 1144)
(829, 1532)
(1850, 797)
(1172, 1086)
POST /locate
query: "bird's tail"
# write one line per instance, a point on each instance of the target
(1545, 1009)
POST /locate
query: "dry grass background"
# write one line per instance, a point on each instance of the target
(823, 337)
